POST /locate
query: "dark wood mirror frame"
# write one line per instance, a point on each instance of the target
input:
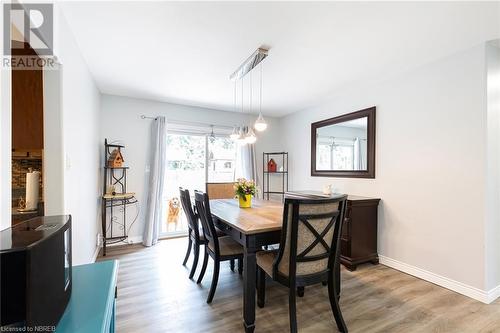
(370, 172)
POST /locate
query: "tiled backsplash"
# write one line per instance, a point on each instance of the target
(19, 169)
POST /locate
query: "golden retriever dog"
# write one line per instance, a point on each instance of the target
(174, 211)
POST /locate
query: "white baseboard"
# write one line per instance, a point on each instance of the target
(461, 288)
(493, 294)
(129, 240)
(96, 253)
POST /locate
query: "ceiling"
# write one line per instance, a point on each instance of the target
(184, 52)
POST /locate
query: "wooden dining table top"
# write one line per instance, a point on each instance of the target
(263, 216)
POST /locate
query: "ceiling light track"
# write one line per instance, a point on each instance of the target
(249, 64)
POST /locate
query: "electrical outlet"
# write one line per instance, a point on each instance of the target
(98, 239)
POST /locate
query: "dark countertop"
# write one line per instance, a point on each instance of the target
(17, 216)
(16, 212)
(28, 233)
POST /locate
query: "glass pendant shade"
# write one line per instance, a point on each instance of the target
(260, 124)
(235, 135)
(241, 136)
(250, 137)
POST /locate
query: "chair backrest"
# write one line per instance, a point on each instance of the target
(220, 190)
(310, 236)
(191, 216)
(202, 203)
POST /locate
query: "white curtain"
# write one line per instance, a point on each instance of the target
(358, 157)
(154, 211)
(246, 163)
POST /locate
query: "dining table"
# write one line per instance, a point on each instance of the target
(253, 228)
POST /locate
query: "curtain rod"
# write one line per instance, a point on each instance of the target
(183, 122)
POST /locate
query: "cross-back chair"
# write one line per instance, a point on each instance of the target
(308, 252)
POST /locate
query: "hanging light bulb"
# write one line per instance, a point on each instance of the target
(212, 135)
(260, 124)
(250, 137)
(235, 134)
(243, 134)
(243, 129)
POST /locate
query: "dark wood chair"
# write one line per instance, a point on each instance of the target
(219, 248)
(308, 253)
(195, 238)
(195, 234)
(222, 191)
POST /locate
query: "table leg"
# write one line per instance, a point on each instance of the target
(249, 271)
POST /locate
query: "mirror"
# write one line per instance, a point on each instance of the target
(344, 146)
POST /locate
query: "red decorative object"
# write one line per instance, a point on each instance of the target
(271, 166)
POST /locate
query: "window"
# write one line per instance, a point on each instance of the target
(192, 160)
(222, 159)
(337, 156)
(343, 157)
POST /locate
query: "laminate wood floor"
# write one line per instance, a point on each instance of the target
(155, 295)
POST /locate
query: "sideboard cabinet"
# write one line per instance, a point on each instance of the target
(358, 243)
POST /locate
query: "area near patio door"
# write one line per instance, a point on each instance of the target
(192, 160)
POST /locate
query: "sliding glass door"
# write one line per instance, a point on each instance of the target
(192, 160)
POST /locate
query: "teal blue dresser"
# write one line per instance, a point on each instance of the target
(91, 308)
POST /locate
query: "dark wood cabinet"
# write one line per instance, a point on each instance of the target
(27, 105)
(359, 232)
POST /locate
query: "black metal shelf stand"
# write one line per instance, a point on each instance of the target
(118, 178)
(283, 158)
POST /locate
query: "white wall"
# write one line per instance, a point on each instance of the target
(120, 120)
(80, 111)
(53, 161)
(430, 165)
(492, 203)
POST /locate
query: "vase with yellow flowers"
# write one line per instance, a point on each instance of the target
(244, 190)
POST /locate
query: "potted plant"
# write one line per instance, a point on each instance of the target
(244, 190)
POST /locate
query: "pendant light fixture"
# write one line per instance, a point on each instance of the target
(260, 124)
(250, 136)
(242, 137)
(243, 129)
(212, 135)
(244, 134)
(235, 134)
